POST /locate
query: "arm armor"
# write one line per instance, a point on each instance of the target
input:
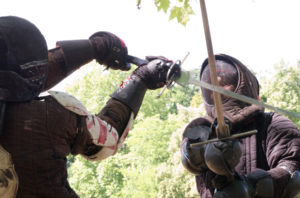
(131, 92)
(105, 138)
(76, 53)
(65, 59)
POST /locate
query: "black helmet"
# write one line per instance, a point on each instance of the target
(23, 59)
(236, 77)
(227, 76)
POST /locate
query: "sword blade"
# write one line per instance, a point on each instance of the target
(222, 129)
(189, 77)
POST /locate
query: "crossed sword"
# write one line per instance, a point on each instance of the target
(188, 77)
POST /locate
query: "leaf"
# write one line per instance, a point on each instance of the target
(162, 4)
(182, 14)
(174, 13)
(284, 92)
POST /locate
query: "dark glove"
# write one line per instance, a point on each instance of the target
(154, 73)
(110, 50)
(192, 158)
(258, 183)
(292, 189)
(236, 189)
(222, 157)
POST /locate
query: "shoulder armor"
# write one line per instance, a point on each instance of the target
(102, 133)
(69, 102)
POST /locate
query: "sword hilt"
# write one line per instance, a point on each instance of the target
(135, 60)
(172, 74)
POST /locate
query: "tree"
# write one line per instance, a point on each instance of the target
(283, 90)
(174, 180)
(149, 164)
(83, 178)
(94, 90)
(132, 171)
(147, 147)
(177, 9)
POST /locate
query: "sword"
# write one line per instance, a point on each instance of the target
(191, 78)
(222, 129)
(176, 75)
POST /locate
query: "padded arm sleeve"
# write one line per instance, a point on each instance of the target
(283, 150)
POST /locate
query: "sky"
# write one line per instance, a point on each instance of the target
(260, 33)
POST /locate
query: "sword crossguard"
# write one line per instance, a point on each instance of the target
(225, 138)
(172, 75)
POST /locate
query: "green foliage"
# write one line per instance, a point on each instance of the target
(179, 9)
(140, 183)
(196, 100)
(95, 88)
(182, 14)
(167, 103)
(147, 144)
(162, 5)
(111, 176)
(282, 90)
(155, 169)
(132, 171)
(173, 179)
(83, 178)
(149, 139)
(171, 173)
(149, 163)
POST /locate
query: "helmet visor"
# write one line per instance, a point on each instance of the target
(227, 76)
